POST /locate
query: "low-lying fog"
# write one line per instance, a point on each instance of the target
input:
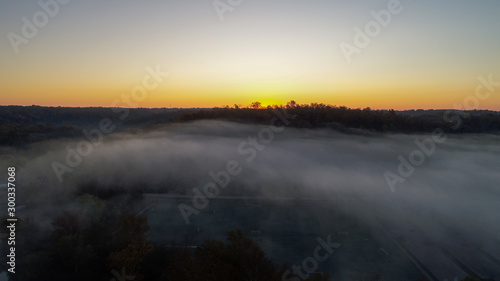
(458, 179)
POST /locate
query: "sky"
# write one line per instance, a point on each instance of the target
(93, 53)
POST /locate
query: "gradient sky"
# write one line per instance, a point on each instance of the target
(92, 52)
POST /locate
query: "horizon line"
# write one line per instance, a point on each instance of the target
(249, 107)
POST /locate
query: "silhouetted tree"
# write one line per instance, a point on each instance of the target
(255, 105)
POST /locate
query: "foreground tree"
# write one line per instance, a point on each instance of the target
(130, 259)
(240, 259)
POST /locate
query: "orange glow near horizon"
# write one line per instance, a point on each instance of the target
(160, 99)
(188, 89)
(267, 52)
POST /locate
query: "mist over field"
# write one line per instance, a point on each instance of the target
(451, 198)
(315, 160)
(233, 140)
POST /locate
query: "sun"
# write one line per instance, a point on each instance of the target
(269, 102)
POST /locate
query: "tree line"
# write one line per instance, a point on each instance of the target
(21, 125)
(319, 115)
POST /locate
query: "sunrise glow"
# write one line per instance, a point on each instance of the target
(260, 51)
